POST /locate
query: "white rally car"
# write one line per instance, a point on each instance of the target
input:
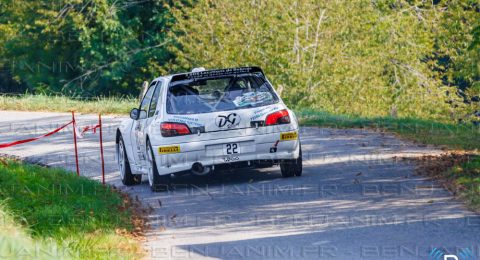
(206, 121)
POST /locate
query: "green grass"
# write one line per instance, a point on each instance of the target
(82, 217)
(15, 241)
(466, 178)
(104, 105)
(453, 136)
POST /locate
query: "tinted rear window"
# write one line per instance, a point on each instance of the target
(192, 96)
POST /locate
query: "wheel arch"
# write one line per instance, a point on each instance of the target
(147, 140)
(117, 136)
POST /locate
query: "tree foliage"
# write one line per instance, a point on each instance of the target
(406, 58)
(357, 57)
(88, 47)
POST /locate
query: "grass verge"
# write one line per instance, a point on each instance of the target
(467, 181)
(16, 242)
(453, 136)
(79, 217)
(457, 172)
(64, 104)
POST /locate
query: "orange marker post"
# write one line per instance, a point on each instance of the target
(75, 142)
(101, 148)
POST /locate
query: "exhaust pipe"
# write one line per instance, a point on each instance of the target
(199, 170)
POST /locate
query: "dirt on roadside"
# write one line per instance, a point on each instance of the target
(446, 169)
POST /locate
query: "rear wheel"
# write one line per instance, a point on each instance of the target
(290, 168)
(124, 166)
(156, 181)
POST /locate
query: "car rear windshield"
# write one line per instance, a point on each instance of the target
(192, 96)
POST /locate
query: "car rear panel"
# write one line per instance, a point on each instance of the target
(178, 153)
(226, 124)
(264, 146)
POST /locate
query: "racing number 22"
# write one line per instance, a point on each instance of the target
(231, 148)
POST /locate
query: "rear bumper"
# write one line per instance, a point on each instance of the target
(265, 147)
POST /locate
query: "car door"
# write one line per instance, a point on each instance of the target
(140, 124)
(149, 120)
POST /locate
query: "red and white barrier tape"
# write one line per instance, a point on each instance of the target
(76, 133)
(81, 133)
(35, 138)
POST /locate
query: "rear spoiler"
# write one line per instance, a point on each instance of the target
(211, 74)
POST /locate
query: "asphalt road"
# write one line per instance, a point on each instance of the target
(355, 200)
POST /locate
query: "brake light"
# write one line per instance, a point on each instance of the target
(174, 129)
(278, 118)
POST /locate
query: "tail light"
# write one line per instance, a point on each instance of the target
(278, 118)
(174, 129)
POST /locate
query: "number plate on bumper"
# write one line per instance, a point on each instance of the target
(234, 148)
(231, 148)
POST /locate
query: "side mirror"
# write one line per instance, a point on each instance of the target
(135, 114)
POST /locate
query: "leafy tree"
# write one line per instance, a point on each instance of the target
(8, 83)
(407, 58)
(88, 47)
(457, 48)
(356, 57)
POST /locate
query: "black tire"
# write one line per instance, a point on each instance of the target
(128, 178)
(157, 182)
(290, 168)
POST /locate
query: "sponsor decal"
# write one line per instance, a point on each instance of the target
(252, 98)
(262, 112)
(190, 121)
(169, 149)
(287, 136)
(217, 73)
(229, 121)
